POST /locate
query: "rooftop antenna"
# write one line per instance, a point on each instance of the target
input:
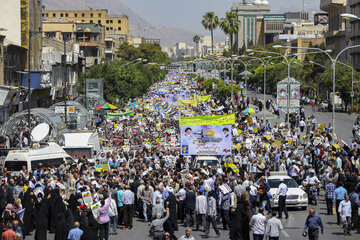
(303, 6)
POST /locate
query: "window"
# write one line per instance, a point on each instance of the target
(15, 166)
(56, 162)
(47, 14)
(111, 21)
(75, 14)
(119, 21)
(91, 21)
(99, 15)
(91, 15)
(93, 85)
(99, 21)
(107, 21)
(111, 28)
(119, 28)
(54, 14)
(61, 15)
(83, 14)
(107, 28)
(66, 15)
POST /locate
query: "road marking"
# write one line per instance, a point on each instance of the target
(285, 234)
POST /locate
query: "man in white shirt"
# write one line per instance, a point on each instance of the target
(281, 193)
(282, 167)
(257, 224)
(274, 227)
(200, 210)
(345, 214)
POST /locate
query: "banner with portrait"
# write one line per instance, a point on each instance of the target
(206, 139)
(295, 95)
(282, 92)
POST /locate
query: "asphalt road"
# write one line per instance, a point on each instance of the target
(343, 121)
(293, 227)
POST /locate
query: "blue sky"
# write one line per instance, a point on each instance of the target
(186, 14)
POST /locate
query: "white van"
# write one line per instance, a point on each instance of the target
(82, 143)
(210, 161)
(31, 158)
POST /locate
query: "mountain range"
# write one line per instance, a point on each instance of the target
(138, 26)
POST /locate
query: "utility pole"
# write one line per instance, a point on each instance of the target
(65, 79)
(29, 64)
(85, 83)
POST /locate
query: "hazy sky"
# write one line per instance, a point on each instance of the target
(187, 14)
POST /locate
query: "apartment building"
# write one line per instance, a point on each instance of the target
(113, 24)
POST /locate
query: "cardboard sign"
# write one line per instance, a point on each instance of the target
(86, 196)
(95, 208)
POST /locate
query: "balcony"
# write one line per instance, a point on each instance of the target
(330, 5)
(88, 44)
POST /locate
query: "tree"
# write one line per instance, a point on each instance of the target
(210, 22)
(196, 40)
(151, 52)
(230, 25)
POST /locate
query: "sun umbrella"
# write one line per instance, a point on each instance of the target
(249, 111)
(106, 106)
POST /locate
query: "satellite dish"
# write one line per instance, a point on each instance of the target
(40, 132)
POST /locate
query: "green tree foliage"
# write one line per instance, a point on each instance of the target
(196, 40)
(124, 82)
(230, 25)
(342, 81)
(127, 78)
(151, 52)
(210, 22)
(223, 90)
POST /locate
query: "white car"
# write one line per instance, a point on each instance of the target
(210, 161)
(296, 197)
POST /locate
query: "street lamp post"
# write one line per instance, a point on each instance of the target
(29, 77)
(333, 62)
(65, 79)
(288, 63)
(352, 79)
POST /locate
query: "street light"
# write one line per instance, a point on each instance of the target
(333, 61)
(288, 63)
(349, 16)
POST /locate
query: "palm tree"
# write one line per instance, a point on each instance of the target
(210, 22)
(230, 25)
(196, 40)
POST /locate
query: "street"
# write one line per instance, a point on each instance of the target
(343, 121)
(293, 227)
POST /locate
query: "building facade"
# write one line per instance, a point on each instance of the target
(304, 43)
(251, 17)
(336, 37)
(112, 24)
(354, 6)
(273, 25)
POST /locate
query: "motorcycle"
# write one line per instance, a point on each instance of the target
(311, 191)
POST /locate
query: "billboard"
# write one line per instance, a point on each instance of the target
(294, 95)
(282, 95)
(206, 139)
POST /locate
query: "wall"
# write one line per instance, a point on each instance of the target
(10, 20)
(111, 23)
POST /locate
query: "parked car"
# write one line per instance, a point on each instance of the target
(338, 108)
(323, 106)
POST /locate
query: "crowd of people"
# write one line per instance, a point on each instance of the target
(147, 177)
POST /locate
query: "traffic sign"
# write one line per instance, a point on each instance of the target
(352, 94)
